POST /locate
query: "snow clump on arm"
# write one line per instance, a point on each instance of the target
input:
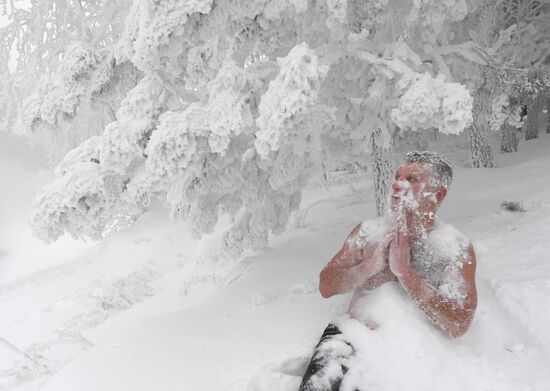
(451, 245)
(452, 286)
(372, 230)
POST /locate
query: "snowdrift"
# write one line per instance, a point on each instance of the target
(151, 308)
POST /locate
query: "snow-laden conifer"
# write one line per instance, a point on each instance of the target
(231, 108)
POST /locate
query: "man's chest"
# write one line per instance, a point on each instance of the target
(426, 261)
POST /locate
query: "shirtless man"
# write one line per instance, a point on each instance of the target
(441, 284)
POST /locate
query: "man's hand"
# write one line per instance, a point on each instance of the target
(399, 249)
(379, 279)
(381, 254)
(354, 264)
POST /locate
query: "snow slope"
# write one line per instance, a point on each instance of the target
(152, 309)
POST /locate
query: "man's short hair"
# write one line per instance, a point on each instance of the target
(441, 168)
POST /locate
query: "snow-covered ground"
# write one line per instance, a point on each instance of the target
(151, 308)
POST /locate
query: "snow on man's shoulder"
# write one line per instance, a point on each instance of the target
(447, 241)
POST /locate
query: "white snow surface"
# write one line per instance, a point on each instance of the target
(150, 308)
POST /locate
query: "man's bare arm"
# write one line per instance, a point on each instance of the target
(351, 266)
(452, 315)
(380, 278)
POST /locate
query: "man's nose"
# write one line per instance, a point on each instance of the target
(395, 186)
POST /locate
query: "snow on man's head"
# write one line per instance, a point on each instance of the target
(442, 172)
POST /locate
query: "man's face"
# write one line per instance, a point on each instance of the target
(412, 191)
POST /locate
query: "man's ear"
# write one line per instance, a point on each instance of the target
(440, 194)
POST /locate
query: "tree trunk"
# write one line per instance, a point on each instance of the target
(547, 114)
(509, 141)
(382, 168)
(480, 150)
(534, 116)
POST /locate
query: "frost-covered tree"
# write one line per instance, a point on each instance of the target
(470, 63)
(231, 107)
(520, 106)
(535, 89)
(505, 116)
(60, 70)
(523, 51)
